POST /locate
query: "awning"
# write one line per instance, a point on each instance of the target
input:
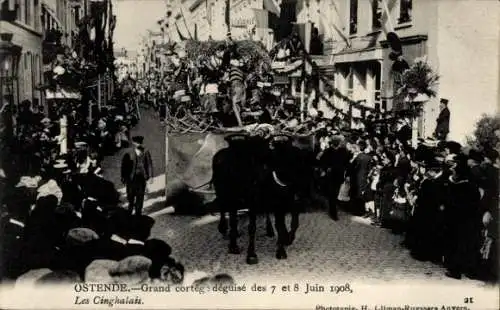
(62, 94)
(360, 55)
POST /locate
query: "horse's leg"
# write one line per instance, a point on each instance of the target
(233, 231)
(279, 218)
(252, 228)
(222, 222)
(269, 226)
(294, 227)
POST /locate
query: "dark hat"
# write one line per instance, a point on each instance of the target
(158, 251)
(491, 154)
(119, 222)
(156, 248)
(140, 227)
(138, 139)
(456, 159)
(454, 147)
(444, 100)
(476, 155)
(432, 163)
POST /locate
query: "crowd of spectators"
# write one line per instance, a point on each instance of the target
(442, 197)
(62, 222)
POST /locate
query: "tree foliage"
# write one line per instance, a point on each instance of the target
(487, 133)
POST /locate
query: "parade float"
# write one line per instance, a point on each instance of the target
(200, 71)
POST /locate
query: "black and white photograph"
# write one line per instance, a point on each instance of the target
(230, 154)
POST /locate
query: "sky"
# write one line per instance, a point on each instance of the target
(134, 18)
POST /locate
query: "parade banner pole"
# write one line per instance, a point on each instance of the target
(166, 149)
(99, 92)
(302, 99)
(305, 68)
(63, 135)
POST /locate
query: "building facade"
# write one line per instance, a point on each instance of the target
(355, 55)
(27, 34)
(206, 19)
(453, 36)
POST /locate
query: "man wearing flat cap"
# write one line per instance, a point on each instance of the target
(443, 121)
(136, 170)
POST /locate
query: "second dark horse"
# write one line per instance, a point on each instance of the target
(264, 177)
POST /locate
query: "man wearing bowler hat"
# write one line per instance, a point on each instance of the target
(136, 170)
(443, 121)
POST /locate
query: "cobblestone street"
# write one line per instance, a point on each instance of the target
(348, 249)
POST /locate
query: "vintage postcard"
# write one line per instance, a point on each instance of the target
(249, 154)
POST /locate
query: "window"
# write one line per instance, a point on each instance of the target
(376, 14)
(405, 8)
(19, 9)
(77, 14)
(353, 17)
(36, 14)
(43, 19)
(350, 82)
(27, 12)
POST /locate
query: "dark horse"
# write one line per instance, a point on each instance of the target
(265, 178)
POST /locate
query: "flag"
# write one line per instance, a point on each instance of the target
(181, 37)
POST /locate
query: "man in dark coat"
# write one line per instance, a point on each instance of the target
(489, 213)
(462, 222)
(335, 159)
(136, 170)
(358, 170)
(428, 215)
(443, 121)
